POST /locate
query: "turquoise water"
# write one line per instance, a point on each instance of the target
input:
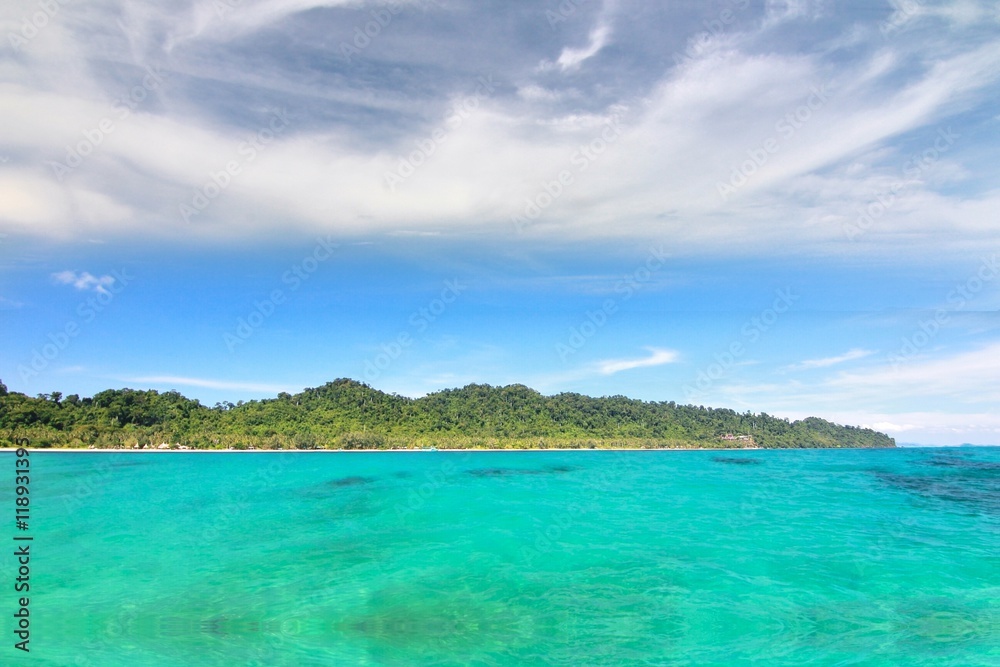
(878, 557)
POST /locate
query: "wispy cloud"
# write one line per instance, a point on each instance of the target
(560, 380)
(84, 280)
(172, 380)
(968, 377)
(943, 428)
(570, 59)
(227, 19)
(958, 384)
(851, 355)
(686, 128)
(657, 357)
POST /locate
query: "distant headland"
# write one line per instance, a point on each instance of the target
(346, 414)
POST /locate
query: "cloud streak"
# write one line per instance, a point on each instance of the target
(657, 357)
(685, 128)
(172, 380)
(571, 59)
(84, 281)
(851, 355)
(960, 385)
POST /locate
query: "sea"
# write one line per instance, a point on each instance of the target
(575, 558)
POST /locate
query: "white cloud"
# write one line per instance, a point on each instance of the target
(29, 201)
(223, 20)
(599, 37)
(960, 13)
(943, 428)
(831, 361)
(571, 59)
(959, 384)
(680, 138)
(560, 380)
(970, 376)
(84, 280)
(171, 380)
(657, 357)
(534, 93)
(777, 12)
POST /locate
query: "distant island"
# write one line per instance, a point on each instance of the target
(345, 414)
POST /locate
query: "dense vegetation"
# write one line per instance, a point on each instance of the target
(350, 415)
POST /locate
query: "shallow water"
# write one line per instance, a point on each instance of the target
(868, 557)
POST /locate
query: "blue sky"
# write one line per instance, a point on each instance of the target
(786, 207)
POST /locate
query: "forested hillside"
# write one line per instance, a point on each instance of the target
(350, 415)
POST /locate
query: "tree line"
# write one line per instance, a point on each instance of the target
(345, 414)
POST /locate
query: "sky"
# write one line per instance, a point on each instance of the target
(783, 207)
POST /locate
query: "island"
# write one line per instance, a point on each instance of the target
(350, 415)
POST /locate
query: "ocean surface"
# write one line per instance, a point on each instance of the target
(877, 557)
